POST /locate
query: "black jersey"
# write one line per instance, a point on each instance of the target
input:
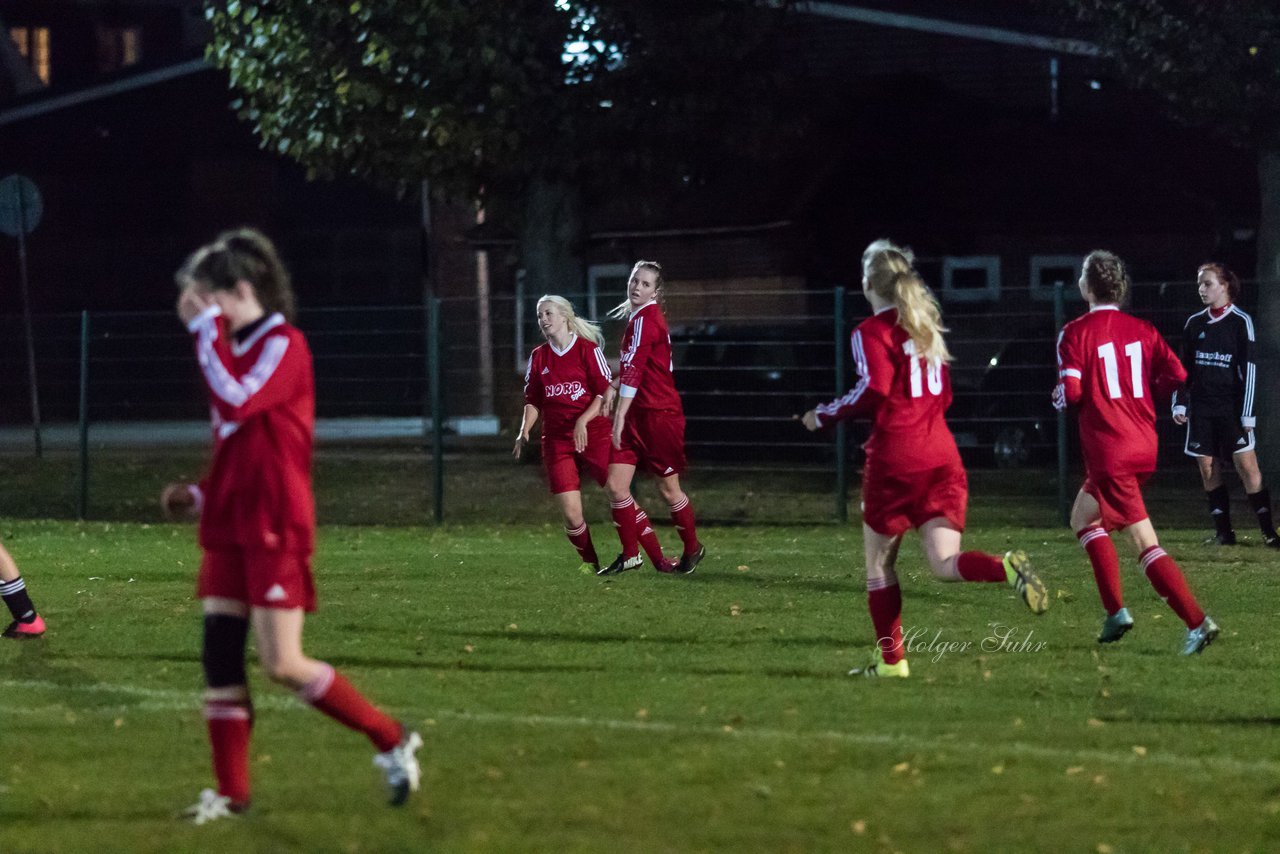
(1218, 355)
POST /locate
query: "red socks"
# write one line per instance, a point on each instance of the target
(230, 722)
(682, 515)
(1106, 566)
(624, 519)
(648, 539)
(885, 604)
(581, 539)
(980, 566)
(1168, 581)
(336, 697)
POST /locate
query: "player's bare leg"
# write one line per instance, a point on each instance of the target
(942, 549)
(884, 602)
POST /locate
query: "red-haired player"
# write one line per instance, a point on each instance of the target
(565, 383)
(257, 516)
(648, 422)
(1113, 366)
(913, 476)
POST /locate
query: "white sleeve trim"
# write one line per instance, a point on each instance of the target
(627, 391)
(1070, 372)
(226, 387)
(203, 318)
(1248, 421)
(864, 380)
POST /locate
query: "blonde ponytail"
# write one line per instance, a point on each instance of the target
(579, 326)
(890, 274)
(622, 309)
(921, 317)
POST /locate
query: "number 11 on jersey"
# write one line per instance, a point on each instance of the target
(1107, 353)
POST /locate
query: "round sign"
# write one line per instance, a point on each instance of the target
(20, 205)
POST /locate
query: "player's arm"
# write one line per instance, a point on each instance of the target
(1182, 394)
(272, 381)
(1070, 387)
(634, 363)
(533, 401)
(580, 426)
(874, 368)
(1249, 374)
(599, 383)
(1167, 373)
(620, 419)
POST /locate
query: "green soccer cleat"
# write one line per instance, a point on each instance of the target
(1021, 577)
(1115, 626)
(1200, 637)
(588, 568)
(877, 669)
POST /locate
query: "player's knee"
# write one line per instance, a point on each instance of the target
(223, 653)
(289, 671)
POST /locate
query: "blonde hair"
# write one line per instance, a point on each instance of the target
(623, 308)
(890, 275)
(579, 326)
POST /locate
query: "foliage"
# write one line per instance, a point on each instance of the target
(708, 713)
(1216, 64)
(489, 93)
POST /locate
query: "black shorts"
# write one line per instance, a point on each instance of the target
(1218, 436)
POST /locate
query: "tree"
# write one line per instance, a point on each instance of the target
(1217, 65)
(525, 105)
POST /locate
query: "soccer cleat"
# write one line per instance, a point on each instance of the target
(1227, 539)
(1115, 626)
(689, 562)
(621, 564)
(589, 568)
(1200, 637)
(212, 807)
(877, 669)
(1022, 578)
(1272, 540)
(400, 768)
(668, 565)
(25, 631)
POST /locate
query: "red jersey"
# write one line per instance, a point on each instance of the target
(646, 366)
(904, 395)
(563, 384)
(257, 493)
(1114, 366)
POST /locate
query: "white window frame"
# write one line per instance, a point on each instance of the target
(989, 263)
(595, 273)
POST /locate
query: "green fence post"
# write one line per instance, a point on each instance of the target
(1059, 319)
(434, 373)
(82, 498)
(842, 454)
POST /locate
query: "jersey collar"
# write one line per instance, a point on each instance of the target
(239, 348)
(642, 308)
(573, 339)
(1215, 317)
(1106, 307)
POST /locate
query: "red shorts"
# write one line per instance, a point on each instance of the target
(1119, 497)
(259, 577)
(562, 463)
(895, 502)
(652, 439)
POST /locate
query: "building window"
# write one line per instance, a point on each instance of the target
(972, 279)
(118, 47)
(33, 44)
(1048, 269)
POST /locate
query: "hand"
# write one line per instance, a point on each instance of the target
(1059, 397)
(618, 421)
(191, 302)
(180, 502)
(810, 420)
(580, 435)
(610, 399)
(1181, 418)
(521, 441)
(1246, 429)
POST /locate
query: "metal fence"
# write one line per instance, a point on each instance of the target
(120, 393)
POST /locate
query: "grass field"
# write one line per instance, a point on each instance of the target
(651, 713)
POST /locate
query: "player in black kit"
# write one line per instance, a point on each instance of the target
(1216, 404)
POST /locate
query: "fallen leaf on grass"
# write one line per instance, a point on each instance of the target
(858, 827)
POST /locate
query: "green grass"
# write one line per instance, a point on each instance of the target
(563, 713)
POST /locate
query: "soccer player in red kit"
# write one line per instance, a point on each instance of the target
(257, 516)
(648, 423)
(1113, 366)
(913, 476)
(565, 383)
